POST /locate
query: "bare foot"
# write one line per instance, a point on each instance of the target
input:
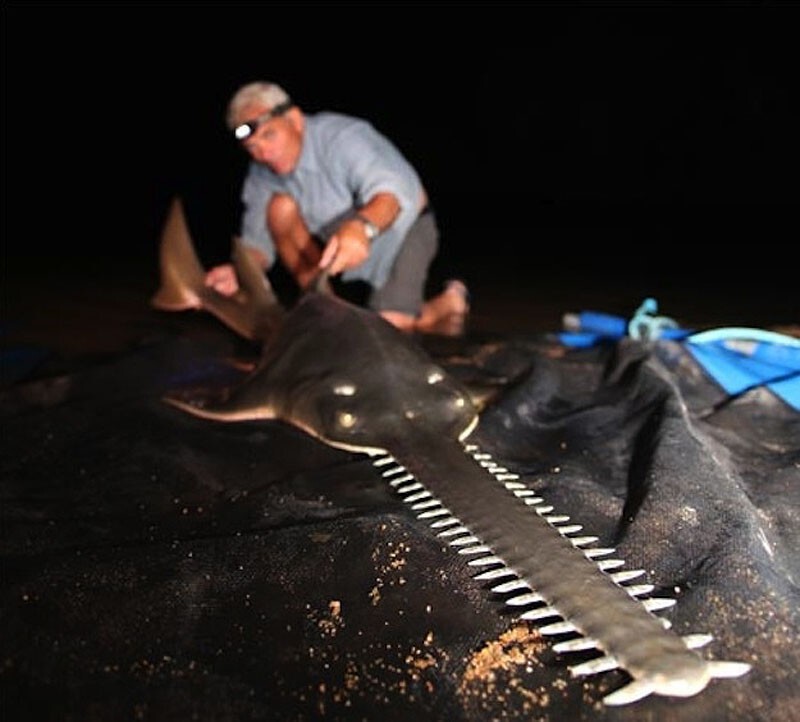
(403, 321)
(457, 295)
(446, 314)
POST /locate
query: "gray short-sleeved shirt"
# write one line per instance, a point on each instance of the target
(343, 163)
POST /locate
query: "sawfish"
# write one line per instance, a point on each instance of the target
(347, 377)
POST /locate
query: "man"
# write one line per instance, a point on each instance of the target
(328, 191)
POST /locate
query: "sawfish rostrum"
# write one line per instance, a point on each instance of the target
(350, 379)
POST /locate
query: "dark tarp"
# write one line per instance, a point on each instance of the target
(157, 566)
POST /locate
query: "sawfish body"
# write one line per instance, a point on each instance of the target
(363, 404)
(350, 379)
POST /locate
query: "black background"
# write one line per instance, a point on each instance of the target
(612, 142)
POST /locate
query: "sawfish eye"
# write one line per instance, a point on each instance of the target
(435, 376)
(346, 420)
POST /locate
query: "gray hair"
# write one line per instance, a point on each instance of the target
(268, 94)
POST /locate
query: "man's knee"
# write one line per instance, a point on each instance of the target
(282, 212)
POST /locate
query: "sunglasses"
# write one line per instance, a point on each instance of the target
(245, 130)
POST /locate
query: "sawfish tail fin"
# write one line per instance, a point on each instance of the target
(182, 274)
(253, 312)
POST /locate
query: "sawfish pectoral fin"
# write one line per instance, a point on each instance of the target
(254, 311)
(218, 411)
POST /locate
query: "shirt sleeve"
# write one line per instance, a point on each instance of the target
(256, 192)
(370, 163)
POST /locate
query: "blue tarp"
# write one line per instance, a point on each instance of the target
(738, 359)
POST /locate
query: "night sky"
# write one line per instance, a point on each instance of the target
(555, 139)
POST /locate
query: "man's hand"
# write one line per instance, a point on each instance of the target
(347, 248)
(223, 279)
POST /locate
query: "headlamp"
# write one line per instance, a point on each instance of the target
(245, 130)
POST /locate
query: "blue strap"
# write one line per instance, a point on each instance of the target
(647, 326)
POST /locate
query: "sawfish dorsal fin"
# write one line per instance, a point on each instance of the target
(253, 312)
(322, 283)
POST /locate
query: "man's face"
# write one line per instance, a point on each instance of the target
(276, 142)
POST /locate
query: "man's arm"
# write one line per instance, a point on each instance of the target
(350, 245)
